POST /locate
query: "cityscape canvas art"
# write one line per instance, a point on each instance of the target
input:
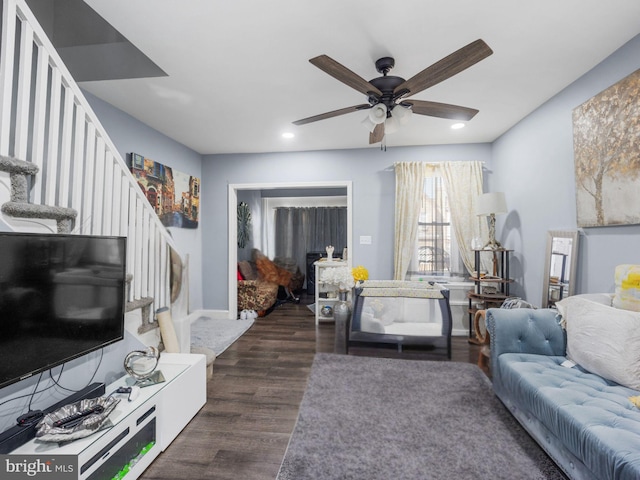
(175, 196)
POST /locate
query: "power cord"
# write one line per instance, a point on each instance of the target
(95, 372)
(33, 394)
(34, 416)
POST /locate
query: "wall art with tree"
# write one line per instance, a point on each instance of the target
(606, 142)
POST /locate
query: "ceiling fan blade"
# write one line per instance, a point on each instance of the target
(331, 114)
(441, 110)
(343, 74)
(447, 67)
(377, 135)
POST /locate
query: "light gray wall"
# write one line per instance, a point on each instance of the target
(104, 365)
(370, 170)
(533, 165)
(130, 135)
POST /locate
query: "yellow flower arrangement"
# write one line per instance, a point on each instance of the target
(342, 277)
(360, 273)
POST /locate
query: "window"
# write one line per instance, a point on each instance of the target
(436, 251)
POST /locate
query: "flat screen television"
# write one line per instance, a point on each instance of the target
(61, 297)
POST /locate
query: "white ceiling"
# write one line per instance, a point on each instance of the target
(238, 71)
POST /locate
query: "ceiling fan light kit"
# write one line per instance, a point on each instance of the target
(402, 114)
(391, 125)
(378, 113)
(368, 124)
(387, 95)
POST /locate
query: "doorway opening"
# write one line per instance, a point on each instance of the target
(233, 232)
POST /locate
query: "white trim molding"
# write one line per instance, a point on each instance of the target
(233, 233)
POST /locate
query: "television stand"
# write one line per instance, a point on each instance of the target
(142, 428)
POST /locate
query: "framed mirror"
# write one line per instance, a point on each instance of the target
(560, 267)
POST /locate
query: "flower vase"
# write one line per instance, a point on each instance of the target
(341, 314)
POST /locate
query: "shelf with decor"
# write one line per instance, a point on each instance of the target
(489, 291)
(327, 294)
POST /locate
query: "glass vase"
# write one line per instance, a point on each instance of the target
(341, 315)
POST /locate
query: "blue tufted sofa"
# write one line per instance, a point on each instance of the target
(585, 423)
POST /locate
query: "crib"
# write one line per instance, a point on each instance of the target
(401, 313)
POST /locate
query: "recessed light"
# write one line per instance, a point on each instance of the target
(288, 135)
(457, 126)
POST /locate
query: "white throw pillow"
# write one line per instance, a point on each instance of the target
(603, 340)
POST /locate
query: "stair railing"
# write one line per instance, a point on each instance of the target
(45, 119)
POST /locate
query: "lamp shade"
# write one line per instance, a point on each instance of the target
(378, 113)
(488, 203)
(402, 114)
(390, 125)
(368, 124)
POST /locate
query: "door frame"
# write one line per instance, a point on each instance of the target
(233, 222)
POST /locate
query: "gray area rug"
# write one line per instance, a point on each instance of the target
(217, 334)
(376, 418)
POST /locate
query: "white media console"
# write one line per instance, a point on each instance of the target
(141, 428)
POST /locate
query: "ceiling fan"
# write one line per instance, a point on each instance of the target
(387, 95)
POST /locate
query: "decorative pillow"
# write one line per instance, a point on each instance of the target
(247, 271)
(627, 294)
(601, 298)
(603, 340)
(240, 277)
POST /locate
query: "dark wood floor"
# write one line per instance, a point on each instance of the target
(253, 398)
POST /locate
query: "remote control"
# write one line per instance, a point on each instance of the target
(73, 420)
(132, 391)
(30, 418)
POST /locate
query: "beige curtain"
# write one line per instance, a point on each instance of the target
(409, 185)
(463, 183)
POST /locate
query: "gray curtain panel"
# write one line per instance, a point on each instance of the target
(301, 230)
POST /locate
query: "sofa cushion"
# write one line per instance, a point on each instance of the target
(593, 417)
(603, 340)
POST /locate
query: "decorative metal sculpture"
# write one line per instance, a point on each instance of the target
(244, 224)
(141, 364)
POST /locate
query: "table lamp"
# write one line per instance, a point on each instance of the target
(490, 205)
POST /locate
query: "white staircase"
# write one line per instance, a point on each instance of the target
(57, 163)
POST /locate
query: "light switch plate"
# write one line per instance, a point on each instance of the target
(365, 240)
